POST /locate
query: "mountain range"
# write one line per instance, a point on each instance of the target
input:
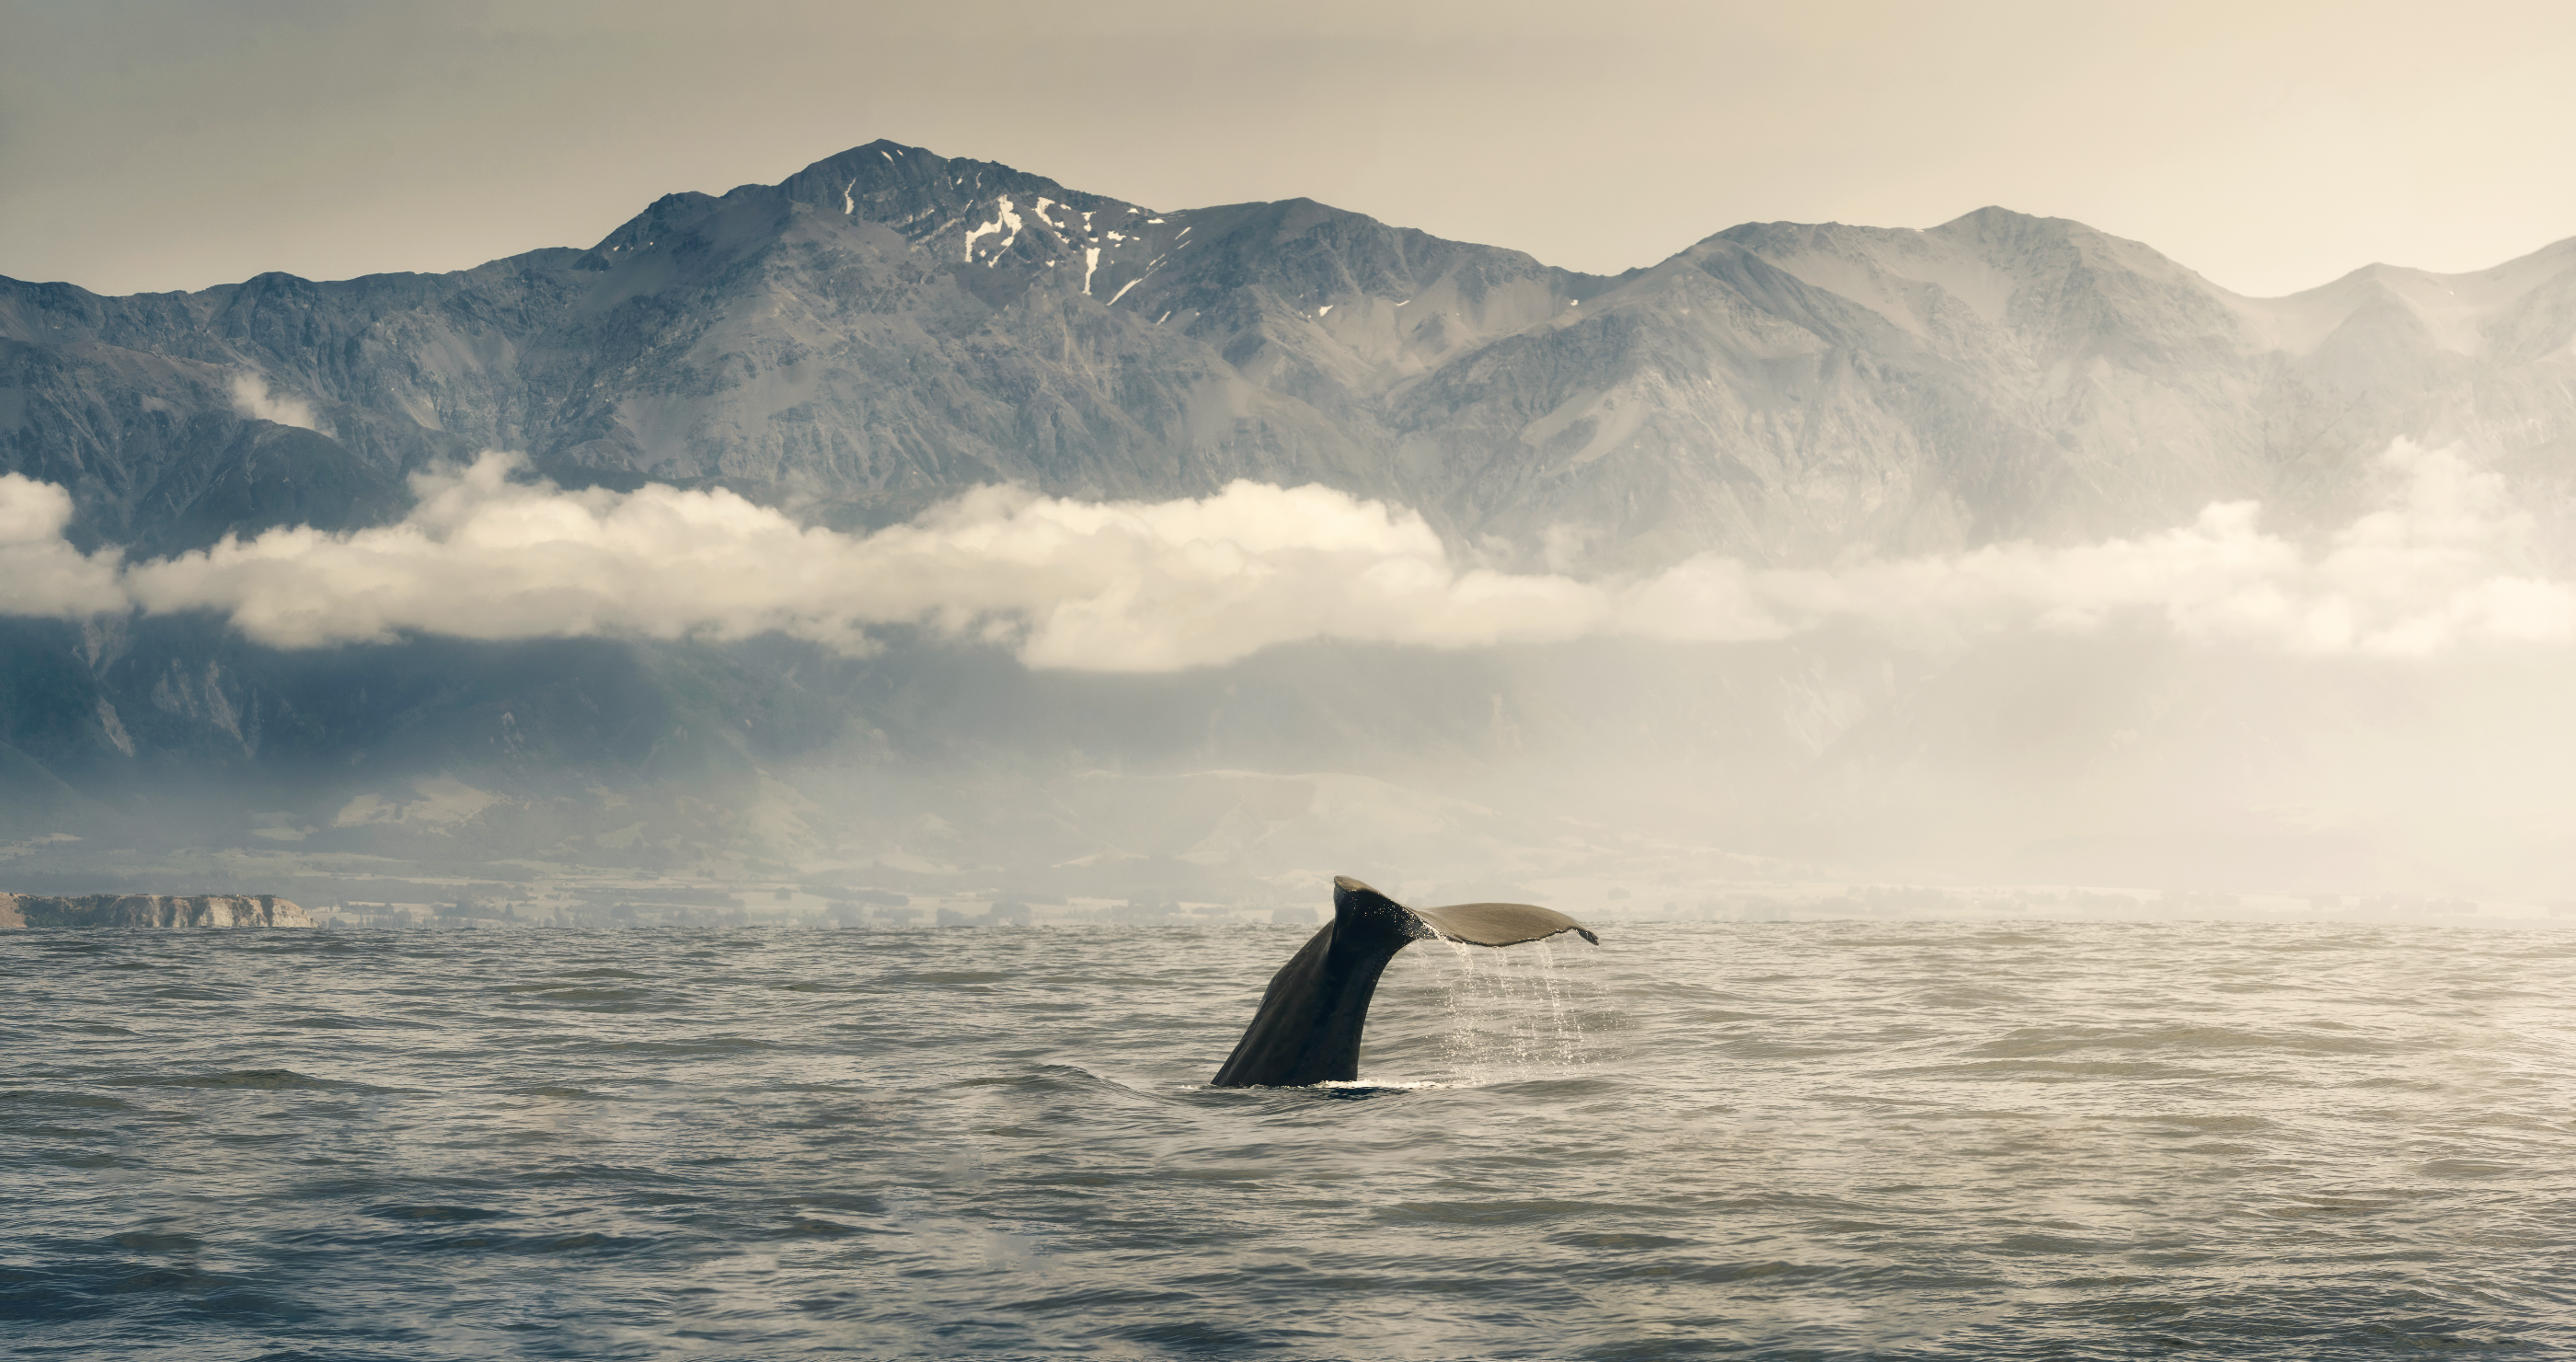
(888, 328)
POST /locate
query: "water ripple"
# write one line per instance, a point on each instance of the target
(1931, 1140)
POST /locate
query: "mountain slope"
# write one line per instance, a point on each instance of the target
(888, 328)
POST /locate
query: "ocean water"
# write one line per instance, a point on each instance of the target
(1808, 1140)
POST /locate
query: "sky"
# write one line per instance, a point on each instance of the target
(155, 145)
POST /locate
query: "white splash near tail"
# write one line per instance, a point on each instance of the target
(1509, 1014)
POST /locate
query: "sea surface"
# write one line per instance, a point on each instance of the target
(1795, 1140)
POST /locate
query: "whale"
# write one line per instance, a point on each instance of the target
(1308, 1027)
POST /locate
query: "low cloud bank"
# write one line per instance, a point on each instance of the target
(1137, 586)
(2447, 560)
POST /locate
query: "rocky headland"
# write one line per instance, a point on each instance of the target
(151, 910)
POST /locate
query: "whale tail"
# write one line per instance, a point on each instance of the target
(1308, 1029)
(1500, 924)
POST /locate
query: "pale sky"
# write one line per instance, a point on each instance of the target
(2272, 147)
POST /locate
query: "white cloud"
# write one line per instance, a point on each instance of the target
(1127, 586)
(40, 574)
(253, 397)
(1157, 586)
(2448, 560)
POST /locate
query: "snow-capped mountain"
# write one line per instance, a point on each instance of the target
(889, 327)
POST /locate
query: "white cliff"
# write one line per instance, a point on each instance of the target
(150, 910)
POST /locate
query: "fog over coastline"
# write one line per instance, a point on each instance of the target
(927, 526)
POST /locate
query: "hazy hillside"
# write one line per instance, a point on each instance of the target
(889, 328)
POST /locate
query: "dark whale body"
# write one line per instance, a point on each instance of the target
(1308, 1028)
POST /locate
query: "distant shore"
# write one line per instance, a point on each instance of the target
(150, 910)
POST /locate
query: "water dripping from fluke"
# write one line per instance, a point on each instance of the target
(1308, 1028)
(1506, 1020)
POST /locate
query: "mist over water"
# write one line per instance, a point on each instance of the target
(1012, 684)
(1923, 1139)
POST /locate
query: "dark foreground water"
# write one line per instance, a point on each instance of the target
(1781, 1140)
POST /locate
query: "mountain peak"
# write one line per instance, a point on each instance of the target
(1995, 216)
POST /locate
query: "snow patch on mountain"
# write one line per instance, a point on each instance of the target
(1003, 218)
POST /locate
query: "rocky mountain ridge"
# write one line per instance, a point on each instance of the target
(888, 327)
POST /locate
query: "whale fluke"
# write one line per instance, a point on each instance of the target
(1308, 1028)
(1501, 924)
